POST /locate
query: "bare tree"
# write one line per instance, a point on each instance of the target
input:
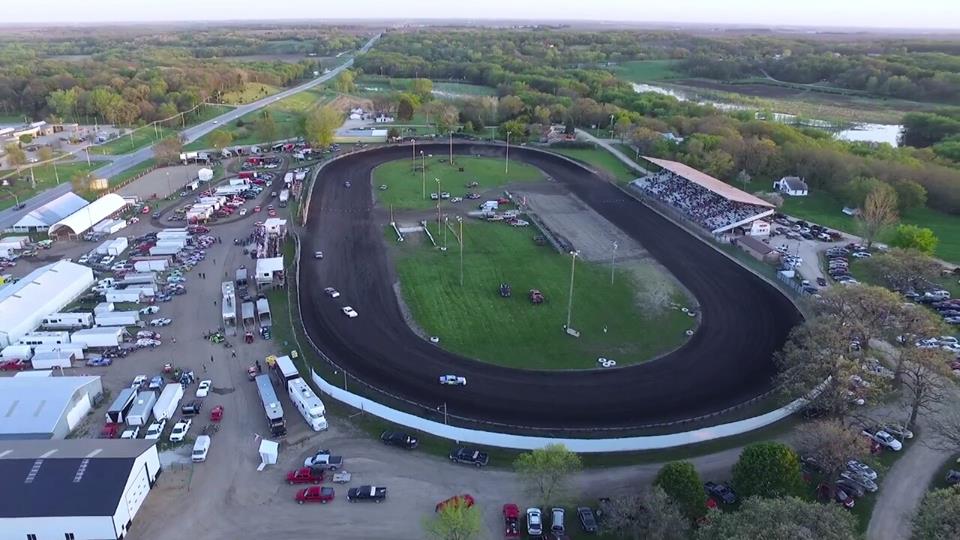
(922, 376)
(946, 427)
(904, 269)
(648, 514)
(879, 212)
(831, 444)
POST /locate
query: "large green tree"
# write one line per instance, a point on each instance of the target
(939, 516)
(546, 472)
(454, 522)
(680, 480)
(321, 125)
(651, 513)
(921, 239)
(221, 138)
(780, 519)
(768, 469)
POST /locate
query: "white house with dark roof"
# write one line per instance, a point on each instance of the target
(74, 489)
(791, 185)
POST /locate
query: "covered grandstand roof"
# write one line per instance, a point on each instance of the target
(87, 217)
(52, 212)
(704, 180)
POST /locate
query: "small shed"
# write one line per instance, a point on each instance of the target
(758, 249)
(793, 186)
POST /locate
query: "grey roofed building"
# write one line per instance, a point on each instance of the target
(77, 488)
(40, 219)
(44, 407)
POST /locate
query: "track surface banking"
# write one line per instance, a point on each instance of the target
(728, 360)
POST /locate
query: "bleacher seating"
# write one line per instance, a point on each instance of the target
(702, 206)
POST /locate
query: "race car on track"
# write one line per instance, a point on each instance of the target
(453, 380)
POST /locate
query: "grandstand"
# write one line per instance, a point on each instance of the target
(710, 203)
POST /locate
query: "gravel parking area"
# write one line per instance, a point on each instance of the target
(160, 183)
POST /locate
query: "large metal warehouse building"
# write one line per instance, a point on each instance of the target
(46, 290)
(85, 218)
(74, 489)
(42, 218)
(45, 407)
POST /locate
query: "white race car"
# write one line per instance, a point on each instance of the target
(453, 380)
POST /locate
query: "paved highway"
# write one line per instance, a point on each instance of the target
(121, 163)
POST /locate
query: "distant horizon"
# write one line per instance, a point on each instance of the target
(921, 15)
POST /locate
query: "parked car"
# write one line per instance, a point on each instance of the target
(138, 381)
(155, 383)
(99, 361)
(511, 520)
(200, 448)
(376, 494)
(161, 322)
(180, 430)
(860, 480)
(844, 499)
(534, 522)
(305, 475)
(14, 364)
(470, 456)
(319, 494)
(149, 310)
(131, 433)
(399, 438)
(110, 431)
(862, 469)
(204, 388)
(721, 492)
(587, 520)
(156, 429)
(851, 488)
(898, 431)
(884, 439)
(192, 408)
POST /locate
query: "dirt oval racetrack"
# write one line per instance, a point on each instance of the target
(728, 361)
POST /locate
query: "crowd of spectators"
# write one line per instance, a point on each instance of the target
(702, 206)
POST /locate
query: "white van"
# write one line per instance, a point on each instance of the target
(556, 526)
(200, 448)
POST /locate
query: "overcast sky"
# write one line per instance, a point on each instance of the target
(846, 13)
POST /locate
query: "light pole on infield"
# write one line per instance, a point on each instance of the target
(438, 205)
(423, 173)
(506, 160)
(451, 149)
(613, 262)
(446, 225)
(573, 267)
(460, 221)
(413, 154)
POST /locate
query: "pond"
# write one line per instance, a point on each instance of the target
(865, 132)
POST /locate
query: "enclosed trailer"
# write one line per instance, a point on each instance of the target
(263, 312)
(52, 359)
(45, 338)
(117, 413)
(103, 307)
(118, 318)
(67, 321)
(142, 408)
(168, 402)
(23, 352)
(158, 264)
(100, 337)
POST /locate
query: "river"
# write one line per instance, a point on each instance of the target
(866, 132)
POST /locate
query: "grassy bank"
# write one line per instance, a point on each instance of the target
(251, 92)
(406, 186)
(45, 177)
(599, 158)
(823, 208)
(475, 321)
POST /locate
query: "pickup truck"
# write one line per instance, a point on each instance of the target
(367, 493)
(323, 460)
(305, 475)
(470, 456)
(318, 494)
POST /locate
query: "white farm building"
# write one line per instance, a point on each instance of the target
(74, 489)
(46, 290)
(80, 221)
(44, 407)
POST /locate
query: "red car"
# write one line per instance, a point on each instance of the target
(256, 209)
(15, 364)
(272, 213)
(323, 495)
(465, 499)
(304, 475)
(145, 210)
(110, 431)
(511, 520)
(216, 414)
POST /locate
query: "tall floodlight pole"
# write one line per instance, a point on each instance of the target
(506, 161)
(460, 221)
(438, 205)
(55, 173)
(613, 262)
(611, 126)
(573, 266)
(414, 153)
(423, 174)
(451, 148)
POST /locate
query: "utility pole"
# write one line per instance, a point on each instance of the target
(55, 173)
(613, 262)
(423, 173)
(446, 225)
(438, 205)
(573, 266)
(414, 153)
(451, 148)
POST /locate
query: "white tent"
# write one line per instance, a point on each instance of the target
(46, 290)
(50, 213)
(83, 219)
(268, 453)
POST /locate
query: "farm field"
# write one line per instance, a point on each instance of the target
(374, 84)
(647, 70)
(251, 92)
(474, 320)
(405, 186)
(825, 209)
(46, 177)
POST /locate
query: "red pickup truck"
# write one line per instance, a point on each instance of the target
(318, 494)
(305, 475)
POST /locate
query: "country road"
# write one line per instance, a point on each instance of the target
(126, 161)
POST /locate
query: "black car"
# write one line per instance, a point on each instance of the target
(367, 493)
(398, 438)
(821, 282)
(470, 456)
(722, 492)
(192, 408)
(587, 520)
